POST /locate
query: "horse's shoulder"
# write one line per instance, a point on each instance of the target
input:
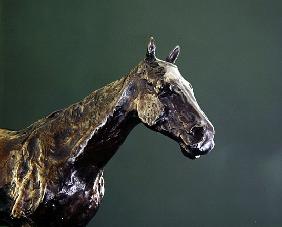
(8, 142)
(8, 146)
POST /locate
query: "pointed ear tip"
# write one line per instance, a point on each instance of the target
(152, 40)
(151, 49)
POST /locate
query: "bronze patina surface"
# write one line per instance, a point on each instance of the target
(52, 171)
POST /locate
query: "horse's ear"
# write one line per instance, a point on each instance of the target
(151, 50)
(171, 58)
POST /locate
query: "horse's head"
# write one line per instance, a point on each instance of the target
(166, 104)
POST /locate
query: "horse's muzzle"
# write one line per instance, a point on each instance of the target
(202, 147)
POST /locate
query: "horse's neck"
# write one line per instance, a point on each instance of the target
(115, 119)
(101, 120)
(95, 121)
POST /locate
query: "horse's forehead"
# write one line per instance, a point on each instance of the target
(172, 75)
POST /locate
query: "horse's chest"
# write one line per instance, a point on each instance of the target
(76, 202)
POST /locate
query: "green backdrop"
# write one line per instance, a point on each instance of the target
(54, 53)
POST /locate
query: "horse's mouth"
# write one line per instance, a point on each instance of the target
(194, 151)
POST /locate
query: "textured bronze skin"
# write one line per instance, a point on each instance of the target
(52, 171)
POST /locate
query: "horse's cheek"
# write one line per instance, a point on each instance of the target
(149, 109)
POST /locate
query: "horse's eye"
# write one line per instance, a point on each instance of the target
(166, 91)
(150, 83)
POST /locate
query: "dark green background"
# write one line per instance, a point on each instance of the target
(54, 53)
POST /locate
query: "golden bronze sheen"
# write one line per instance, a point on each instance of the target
(52, 171)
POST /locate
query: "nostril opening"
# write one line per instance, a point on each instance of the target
(198, 132)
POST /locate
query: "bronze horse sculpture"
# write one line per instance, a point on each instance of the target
(51, 173)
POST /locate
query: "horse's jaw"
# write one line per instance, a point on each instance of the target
(191, 148)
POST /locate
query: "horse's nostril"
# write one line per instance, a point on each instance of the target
(198, 132)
